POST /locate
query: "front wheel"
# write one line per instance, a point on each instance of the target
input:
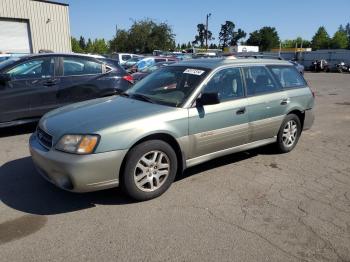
(150, 169)
(288, 134)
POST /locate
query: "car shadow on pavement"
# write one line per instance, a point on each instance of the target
(23, 189)
(215, 163)
(17, 130)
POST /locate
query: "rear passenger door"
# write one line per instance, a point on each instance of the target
(266, 102)
(221, 126)
(79, 79)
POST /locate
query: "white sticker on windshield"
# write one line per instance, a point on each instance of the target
(193, 72)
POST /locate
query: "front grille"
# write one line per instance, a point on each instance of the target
(44, 138)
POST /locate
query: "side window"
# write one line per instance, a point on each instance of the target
(75, 66)
(126, 57)
(228, 83)
(288, 76)
(35, 68)
(259, 80)
(157, 60)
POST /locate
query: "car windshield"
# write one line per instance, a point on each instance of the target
(170, 85)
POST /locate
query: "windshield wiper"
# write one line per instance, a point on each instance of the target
(124, 94)
(142, 97)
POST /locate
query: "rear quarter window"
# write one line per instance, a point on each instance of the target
(288, 76)
(75, 66)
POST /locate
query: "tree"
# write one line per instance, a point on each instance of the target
(346, 29)
(266, 38)
(82, 43)
(340, 40)
(321, 39)
(100, 46)
(75, 46)
(189, 45)
(298, 42)
(201, 36)
(228, 36)
(144, 36)
(213, 46)
(120, 42)
(89, 47)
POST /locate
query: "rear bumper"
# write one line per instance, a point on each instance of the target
(309, 119)
(77, 173)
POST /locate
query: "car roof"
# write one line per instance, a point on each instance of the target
(212, 63)
(63, 54)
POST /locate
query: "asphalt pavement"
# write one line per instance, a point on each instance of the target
(250, 206)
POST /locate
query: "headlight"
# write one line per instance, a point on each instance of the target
(78, 144)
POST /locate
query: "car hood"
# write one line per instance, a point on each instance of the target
(93, 116)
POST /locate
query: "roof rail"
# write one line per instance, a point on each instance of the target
(259, 56)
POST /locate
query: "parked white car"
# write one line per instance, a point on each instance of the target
(123, 57)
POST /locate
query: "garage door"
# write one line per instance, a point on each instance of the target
(14, 37)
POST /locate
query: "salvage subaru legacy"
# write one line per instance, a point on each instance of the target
(177, 117)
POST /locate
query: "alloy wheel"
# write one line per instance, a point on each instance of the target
(151, 171)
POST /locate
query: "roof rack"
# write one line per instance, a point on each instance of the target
(259, 56)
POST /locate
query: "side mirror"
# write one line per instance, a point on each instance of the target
(4, 78)
(208, 99)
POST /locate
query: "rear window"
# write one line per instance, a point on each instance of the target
(126, 57)
(288, 76)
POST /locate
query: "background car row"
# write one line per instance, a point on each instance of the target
(30, 86)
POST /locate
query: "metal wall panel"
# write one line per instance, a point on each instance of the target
(48, 23)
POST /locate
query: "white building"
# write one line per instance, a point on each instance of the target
(27, 26)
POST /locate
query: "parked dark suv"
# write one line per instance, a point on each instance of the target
(33, 85)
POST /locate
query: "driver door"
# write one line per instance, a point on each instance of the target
(220, 126)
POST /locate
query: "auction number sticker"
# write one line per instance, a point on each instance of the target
(193, 72)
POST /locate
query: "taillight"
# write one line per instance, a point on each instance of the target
(129, 78)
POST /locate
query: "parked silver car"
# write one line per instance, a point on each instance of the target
(177, 117)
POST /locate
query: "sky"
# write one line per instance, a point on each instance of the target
(98, 19)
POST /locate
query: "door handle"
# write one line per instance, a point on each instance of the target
(240, 111)
(285, 101)
(50, 83)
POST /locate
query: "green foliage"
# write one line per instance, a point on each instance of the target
(100, 46)
(321, 39)
(298, 42)
(121, 42)
(144, 36)
(82, 43)
(75, 46)
(201, 36)
(228, 36)
(340, 40)
(266, 38)
(346, 29)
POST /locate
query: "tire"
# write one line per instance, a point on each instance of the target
(287, 139)
(150, 169)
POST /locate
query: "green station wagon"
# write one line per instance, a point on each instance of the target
(177, 117)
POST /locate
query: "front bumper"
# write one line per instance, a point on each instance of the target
(309, 119)
(77, 173)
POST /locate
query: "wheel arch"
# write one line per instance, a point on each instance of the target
(299, 113)
(169, 139)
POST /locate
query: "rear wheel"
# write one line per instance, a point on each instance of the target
(150, 170)
(288, 134)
